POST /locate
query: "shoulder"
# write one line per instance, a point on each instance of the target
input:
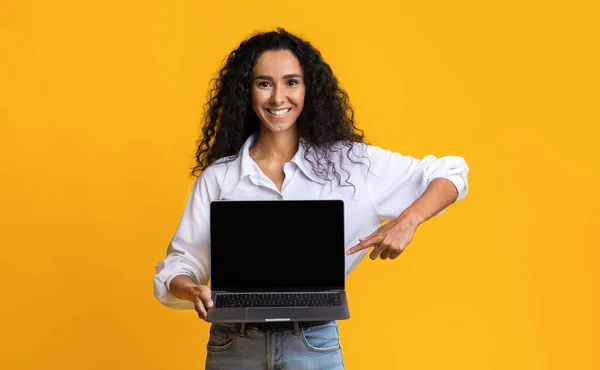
(362, 153)
(349, 150)
(216, 171)
(375, 151)
(360, 149)
(356, 157)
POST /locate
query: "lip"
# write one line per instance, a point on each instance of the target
(274, 116)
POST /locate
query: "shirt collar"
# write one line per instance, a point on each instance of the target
(249, 167)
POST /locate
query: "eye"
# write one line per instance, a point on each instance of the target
(263, 84)
(293, 82)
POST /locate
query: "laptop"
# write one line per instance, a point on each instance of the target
(277, 260)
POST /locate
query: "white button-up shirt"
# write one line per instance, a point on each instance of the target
(392, 183)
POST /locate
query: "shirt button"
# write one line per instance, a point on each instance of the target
(279, 196)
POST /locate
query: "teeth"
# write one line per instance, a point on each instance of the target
(278, 112)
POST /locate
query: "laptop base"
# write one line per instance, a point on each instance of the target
(278, 314)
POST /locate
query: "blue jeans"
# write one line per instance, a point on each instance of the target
(317, 347)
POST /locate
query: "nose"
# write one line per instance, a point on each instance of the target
(277, 96)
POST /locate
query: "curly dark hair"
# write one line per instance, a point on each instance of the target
(325, 125)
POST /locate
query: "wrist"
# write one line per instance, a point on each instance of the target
(411, 215)
(184, 287)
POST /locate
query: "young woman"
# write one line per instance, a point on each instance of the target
(278, 126)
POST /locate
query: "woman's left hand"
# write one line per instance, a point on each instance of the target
(390, 239)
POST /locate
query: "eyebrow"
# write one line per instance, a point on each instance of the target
(293, 75)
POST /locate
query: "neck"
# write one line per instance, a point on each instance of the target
(275, 145)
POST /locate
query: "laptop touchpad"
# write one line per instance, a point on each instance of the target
(262, 313)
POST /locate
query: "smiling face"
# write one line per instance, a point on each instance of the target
(277, 90)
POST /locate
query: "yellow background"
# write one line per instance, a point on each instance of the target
(99, 110)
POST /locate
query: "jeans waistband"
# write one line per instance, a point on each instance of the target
(281, 325)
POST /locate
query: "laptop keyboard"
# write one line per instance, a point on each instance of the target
(277, 299)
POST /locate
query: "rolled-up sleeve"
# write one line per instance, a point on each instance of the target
(395, 181)
(188, 252)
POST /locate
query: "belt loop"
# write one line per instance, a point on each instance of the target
(296, 328)
(242, 330)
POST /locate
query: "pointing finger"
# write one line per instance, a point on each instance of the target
(363, 244)
(358, 247)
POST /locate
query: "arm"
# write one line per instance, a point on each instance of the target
(396, 182)
(439, 195)
(420, 188)
(182, 287)
(185, 288)
(188, 256)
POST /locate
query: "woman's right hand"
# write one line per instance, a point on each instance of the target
(184, 287)
(202, 299)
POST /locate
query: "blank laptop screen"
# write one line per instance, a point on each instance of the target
(277, 245)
